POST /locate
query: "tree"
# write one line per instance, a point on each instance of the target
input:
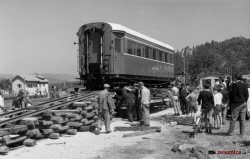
(5, 84)
(178, 62)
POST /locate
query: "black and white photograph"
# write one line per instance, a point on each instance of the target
(124, 79)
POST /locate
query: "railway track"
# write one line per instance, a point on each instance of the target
(42, 107)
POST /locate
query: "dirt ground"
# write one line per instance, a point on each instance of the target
(151, 146)
(159, 145)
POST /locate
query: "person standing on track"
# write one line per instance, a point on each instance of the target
(239, 96)
(106, 109)
(145, 98)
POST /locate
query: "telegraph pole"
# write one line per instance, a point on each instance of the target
(184, 67)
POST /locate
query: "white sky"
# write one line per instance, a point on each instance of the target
(38, 35)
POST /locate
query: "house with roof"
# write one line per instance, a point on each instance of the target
(33, 84)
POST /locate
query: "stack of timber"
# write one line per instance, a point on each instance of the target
(82, 117)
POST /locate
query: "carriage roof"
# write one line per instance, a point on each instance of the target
(119, 27)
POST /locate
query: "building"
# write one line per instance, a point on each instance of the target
(33, 84)
(211, 78)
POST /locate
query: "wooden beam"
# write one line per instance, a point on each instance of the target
(139, 133)
(137, 128)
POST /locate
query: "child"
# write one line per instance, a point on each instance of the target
(192, 99)
(217, 107)
(206, 100)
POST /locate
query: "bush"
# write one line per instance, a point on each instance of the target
(9, 96)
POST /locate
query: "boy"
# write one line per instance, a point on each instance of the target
(207, 99)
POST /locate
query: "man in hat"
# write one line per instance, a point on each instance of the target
(145, 98)
(128, 99)
(106, 109)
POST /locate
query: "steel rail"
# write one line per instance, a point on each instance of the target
(86, 96)
(44, 103)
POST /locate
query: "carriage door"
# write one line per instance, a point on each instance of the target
(94, 52)
(118, 54)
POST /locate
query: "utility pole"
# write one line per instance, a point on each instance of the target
(184, 67)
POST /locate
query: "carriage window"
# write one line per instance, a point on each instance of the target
(138, 50)
(142, 50)
(130, 47)
(154, 54)
(166, 57)
(171, 58)
(147, 52)
(135, 46)
(118, 45)
(160, 55)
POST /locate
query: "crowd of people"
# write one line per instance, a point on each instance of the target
(227, 97)
(136, 100)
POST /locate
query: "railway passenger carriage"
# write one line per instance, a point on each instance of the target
(115, 54)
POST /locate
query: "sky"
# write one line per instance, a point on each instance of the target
(38, 35)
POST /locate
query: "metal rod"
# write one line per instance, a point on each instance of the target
(25, 109)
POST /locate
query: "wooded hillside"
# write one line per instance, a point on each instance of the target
(226, 57)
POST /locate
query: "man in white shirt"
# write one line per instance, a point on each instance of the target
(217, 107)
(145, 98)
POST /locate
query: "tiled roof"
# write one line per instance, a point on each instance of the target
(35, 78)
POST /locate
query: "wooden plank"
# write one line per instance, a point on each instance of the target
(139, 133)
(65, 111)
(137, 128)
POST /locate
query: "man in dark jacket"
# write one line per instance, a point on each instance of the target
(138, 111)
(239, 96)
(128, 98)
(183, 101)
(225, 102)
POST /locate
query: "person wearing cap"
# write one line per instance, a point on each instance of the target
(128, 99)
(2, 109)
(145, 98)
(106, 109)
